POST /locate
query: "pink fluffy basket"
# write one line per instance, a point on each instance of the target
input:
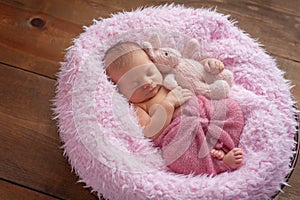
(100, 131)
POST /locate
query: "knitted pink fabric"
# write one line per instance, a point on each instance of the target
(202, 125)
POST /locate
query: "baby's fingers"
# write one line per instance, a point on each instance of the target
(186, 95)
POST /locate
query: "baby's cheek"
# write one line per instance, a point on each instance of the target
(126, 92)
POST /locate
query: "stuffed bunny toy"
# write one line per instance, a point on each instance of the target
(207, 77)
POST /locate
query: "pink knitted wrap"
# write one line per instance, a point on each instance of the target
(201, 126)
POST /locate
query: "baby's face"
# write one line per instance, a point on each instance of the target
(139, 81)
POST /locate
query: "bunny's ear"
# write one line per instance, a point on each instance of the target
(155, 41)
(147, 46)
(191, 47)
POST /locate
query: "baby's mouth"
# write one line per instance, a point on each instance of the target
(152, 87)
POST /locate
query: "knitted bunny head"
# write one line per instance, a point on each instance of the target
(165, 58)
(169, 61)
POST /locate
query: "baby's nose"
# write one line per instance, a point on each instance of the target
(147, 83)
(147, 80)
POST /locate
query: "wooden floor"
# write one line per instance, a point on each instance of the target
(33, 37)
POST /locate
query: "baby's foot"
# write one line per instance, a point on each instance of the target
(218, 154)
(234, 158)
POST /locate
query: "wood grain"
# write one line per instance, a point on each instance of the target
(46, 44)
(270, 22)
(33, 37)
(292, 73)
(12, 191)
(30, 148)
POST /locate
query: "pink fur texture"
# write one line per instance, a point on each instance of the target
(100, 131)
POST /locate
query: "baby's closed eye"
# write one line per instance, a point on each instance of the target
(135, 84)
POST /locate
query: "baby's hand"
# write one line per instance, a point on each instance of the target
(212, 65)
(178, 96)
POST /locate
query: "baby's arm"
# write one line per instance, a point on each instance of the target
(156, 120)
(160, 115)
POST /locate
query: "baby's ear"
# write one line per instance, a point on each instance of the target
(191, 47)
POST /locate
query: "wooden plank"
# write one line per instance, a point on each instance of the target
(292, 72)
(39, 49)
(9, 191)
(60, 21)
(30, 147)
(275, 23)
(75, 11)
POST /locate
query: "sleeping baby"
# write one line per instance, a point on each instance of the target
(192, 134)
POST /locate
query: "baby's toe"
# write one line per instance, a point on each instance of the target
(238, 161)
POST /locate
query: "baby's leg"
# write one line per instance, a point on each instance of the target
(234, 158)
